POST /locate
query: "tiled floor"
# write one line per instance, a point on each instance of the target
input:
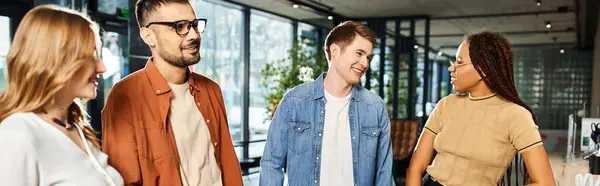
(564, 173)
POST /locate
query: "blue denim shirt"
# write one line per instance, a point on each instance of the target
(295, 138)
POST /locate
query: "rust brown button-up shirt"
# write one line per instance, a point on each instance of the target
(139, 139)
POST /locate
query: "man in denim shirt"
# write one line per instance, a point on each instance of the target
(332, 131)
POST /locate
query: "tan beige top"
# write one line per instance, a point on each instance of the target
(478, 138)
(198, 162)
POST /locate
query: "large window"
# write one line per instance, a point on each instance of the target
(4, 46)
(309, 36)
(420, 73)
(270, 38)
(115, 57)
(222, 59)
(110, 6)
(445, 86)
(553, 84)
(404, 50)
(435, 76)
(374, 67)
(403, 88)
(390, 52)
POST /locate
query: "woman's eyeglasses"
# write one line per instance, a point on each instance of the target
(453, 67)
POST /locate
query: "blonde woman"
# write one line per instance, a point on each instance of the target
(44, 136)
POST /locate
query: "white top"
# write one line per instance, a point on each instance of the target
(198, 164)
(33, 152)
(336, 152)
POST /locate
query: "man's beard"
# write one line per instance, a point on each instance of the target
(180, 61)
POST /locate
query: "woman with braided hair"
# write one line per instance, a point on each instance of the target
(477, 135)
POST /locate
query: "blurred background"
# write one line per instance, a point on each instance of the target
(555, 45)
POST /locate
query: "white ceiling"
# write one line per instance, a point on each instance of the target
(518, 28)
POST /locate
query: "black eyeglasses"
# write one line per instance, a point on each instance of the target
(183, 27)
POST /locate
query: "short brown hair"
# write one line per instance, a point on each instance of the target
(344, 34)
(143, 8)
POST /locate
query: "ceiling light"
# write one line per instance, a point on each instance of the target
(330, 17)
(548, 25)
(562, 51)
(539, 3)
(295, 6)
(416, 47)
(440, 53)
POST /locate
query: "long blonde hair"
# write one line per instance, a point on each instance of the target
(50, 45)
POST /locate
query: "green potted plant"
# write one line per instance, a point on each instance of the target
(302, 64)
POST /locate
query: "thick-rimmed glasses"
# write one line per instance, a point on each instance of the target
(183, 27)
(453, 67)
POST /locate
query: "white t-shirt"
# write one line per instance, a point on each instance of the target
(196, 152)
(336, 152)
(34, 152)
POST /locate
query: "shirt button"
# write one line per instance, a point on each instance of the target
(317, 157)
(353, 137)
(208, 121)
(216, 144)
(322, 112)
(319, 134)
(299, 129)
(315, 181)
(355, 161)
(197, 104)
(157, 91)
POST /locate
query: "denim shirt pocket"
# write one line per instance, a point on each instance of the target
(369, 141)
(299, 140)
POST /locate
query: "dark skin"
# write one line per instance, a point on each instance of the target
(465, 78)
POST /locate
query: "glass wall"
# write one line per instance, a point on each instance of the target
(435, 77)
(308, 35)
(420, 73)
(390, 52)
(110, 6)
(404, 50)
(222, 57)
(553, 84)
(270, 39)
(4, 47)
(114, 53)
(445, 86)
(375, 68)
